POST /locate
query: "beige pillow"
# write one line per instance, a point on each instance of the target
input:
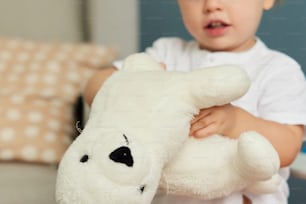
(39, 84)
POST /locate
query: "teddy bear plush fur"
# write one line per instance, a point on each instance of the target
(136, 140)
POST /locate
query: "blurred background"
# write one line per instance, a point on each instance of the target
(132, 25)
(108, 22)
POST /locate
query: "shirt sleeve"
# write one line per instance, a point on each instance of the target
(283, 97)
(156, 51)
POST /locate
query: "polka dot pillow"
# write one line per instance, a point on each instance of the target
(39, 84)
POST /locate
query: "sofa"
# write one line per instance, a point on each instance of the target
(40, 84)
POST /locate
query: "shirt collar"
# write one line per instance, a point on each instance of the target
(217, 58)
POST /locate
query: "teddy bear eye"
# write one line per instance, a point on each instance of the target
(84, 158)
(122, 155)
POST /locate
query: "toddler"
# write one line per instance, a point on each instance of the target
(224, 32)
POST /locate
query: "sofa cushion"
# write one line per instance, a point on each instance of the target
(39, 84)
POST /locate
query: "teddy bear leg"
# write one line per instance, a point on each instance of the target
(257, 159)
(268, 186)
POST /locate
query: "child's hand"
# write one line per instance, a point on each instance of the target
(214, 120)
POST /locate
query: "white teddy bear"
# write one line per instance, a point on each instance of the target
(136, 140)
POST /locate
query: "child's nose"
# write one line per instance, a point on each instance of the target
(210, 6)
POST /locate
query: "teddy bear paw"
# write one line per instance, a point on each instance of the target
(257, 158)
(268, 186)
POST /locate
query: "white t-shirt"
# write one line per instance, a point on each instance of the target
(277, 92)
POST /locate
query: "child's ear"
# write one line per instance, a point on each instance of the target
(268, 4)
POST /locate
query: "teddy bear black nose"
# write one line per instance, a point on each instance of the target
(122, 155)
(84, 158)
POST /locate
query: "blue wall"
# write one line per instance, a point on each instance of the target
(283, 28)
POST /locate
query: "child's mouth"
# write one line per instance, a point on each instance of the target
(216, 28)
(214, 25)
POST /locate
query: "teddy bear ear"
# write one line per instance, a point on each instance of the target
(141, 62)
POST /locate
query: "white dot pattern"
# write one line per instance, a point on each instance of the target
(31, 131)
(49, 155)
(13, 114)
(7, 134)
(39, 82)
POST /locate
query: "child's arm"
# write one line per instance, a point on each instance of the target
(94, 84)
(231, 121)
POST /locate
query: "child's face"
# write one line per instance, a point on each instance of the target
(223, 25)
